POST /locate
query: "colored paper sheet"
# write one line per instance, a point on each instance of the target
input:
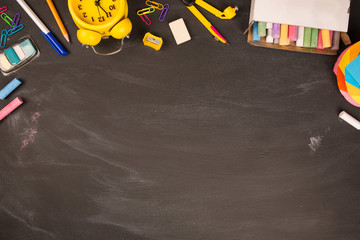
(314, 37)
(326, 41)
(307, 37)
(343, 89)
(349, 56)
(256, 37)
(320, 41)
(352, 72)
(336, 67)
(262, 29)
(350, 79)
(353, 91)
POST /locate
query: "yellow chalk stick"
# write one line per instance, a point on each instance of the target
(326, 38)
(284, 35)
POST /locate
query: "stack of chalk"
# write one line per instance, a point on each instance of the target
(304, 37)
(347, 70)
(14, 103)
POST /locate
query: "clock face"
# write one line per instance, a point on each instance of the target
(96, 12)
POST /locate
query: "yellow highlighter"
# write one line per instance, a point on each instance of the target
(228, 13)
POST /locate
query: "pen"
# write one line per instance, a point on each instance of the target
(45, 31)
(207, 24)
(58, 20)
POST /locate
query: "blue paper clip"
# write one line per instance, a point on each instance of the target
(6, 18)
(3, 9)
(164, 12)
(17, 29)
(15, 21)
(3, 39)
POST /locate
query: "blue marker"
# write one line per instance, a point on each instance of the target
(9, 88)
(45, 31)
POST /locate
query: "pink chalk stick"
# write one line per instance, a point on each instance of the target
(320, 41)
(10, 107)
(293, 32)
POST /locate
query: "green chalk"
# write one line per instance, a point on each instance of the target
(314, 37)
(307, 37)
(262, 29)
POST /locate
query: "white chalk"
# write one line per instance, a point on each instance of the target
(179, 30)
(350, 120)
(269, 38)
(269, 25)
(300, 40)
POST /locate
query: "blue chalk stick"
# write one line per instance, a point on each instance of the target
(9, 88)
(256, 36)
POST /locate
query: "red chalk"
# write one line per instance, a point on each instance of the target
(293, 33)
(320, 41)
(10, 107)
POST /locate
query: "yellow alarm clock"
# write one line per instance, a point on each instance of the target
(99, 19)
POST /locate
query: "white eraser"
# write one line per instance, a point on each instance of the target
(350, 120)
(179, 30)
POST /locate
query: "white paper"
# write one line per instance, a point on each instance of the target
(322, 14)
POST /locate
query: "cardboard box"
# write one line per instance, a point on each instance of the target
(322, 14)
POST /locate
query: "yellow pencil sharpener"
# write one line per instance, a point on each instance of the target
(153, 41)
(100, 19)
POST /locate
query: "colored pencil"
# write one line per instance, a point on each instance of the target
(58, 20)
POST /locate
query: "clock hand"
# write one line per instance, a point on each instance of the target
(97, 3)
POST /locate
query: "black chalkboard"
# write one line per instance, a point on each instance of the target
(197, 141)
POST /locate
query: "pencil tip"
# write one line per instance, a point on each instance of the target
(67, 38)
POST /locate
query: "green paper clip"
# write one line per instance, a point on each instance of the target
(6, 18)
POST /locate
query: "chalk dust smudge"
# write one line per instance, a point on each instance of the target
(315, 143)
(31, 133)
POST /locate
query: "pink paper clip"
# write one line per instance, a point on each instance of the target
(17, 29)
(3, 39)
(3, 9)
(15, 21)
(164, 12)
(146, 19)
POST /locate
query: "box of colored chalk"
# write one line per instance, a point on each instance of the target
(310, 26)
(18, 55)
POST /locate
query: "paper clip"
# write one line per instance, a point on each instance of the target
(164, 12)
(153, 4)
(3, 38)
(3, 9)
(17, 29)
(15, 21)
(145, 11)
(6, 18)
(146, 19)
